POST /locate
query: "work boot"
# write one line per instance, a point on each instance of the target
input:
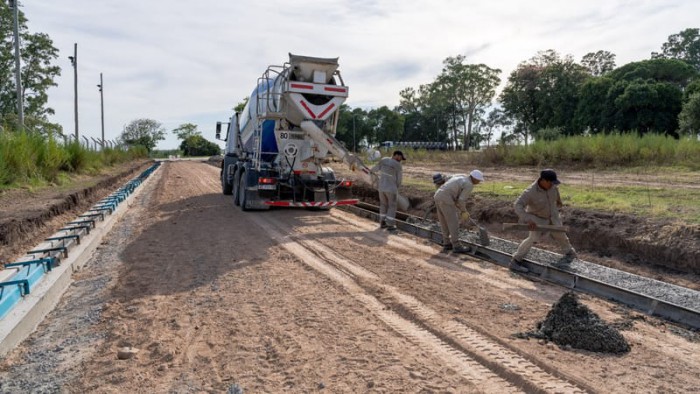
(571, 254)
(391, 228)
(461, 249)
(446, 248)
(383, 224)
(518, 266)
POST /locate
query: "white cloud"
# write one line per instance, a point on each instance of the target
(191, 61)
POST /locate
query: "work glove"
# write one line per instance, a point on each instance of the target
(464, 217)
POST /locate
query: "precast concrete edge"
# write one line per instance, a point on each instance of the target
(28, 314)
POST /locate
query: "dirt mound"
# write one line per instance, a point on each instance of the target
(570, 323)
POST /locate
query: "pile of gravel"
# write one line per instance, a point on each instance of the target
(570, 323)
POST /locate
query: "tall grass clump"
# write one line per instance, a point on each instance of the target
(19, 156)
(77, 157)
(29, 157)
(51, 159)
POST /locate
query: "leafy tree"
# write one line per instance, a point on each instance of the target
(519, 98)
(644, 96)
(593, 107)
(649, 106)
(196, 145)
(542, 93)
(143, 132)
(599, 63)
(495, 120)
(37, 72)
(425, 113)
(387, 125)
(439, 115)
(673, 71)
(240, 106)
(558, 93)
(470, 88)
(692, 88)
(353, 127)
(683, 46)
(689, 118)
(186, 130)
(414, 120)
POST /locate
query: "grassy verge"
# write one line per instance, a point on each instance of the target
(31, 159)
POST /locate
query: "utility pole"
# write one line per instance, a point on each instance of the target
(18, 74)
(102, 109)
(74, 61)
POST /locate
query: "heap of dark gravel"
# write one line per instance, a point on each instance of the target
(570, 323)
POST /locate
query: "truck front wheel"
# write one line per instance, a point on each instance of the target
(226, 186)
(242, 197)
(236, 188)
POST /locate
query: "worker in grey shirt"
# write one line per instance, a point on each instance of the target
(539, 204)
(389, 171)
(451, 203)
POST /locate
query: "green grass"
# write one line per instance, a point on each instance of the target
(33, 160)
(636, 158)
(670, 203)
(598, 151)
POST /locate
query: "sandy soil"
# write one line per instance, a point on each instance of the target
(216, 299)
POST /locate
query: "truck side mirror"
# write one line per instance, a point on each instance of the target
(218, 130)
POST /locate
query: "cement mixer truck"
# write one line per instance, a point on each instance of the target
(276, 147)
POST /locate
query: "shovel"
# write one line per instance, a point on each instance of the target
(483, 234)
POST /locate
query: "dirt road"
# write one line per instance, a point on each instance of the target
(219, 300)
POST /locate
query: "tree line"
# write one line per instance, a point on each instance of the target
(546, 97)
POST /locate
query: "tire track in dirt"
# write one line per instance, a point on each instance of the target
(498, 358)
(314, 256)
(488, 273)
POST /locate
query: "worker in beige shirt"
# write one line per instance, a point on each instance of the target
(539, 204)
(451, 203)
(390, 175)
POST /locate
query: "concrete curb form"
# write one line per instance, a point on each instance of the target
(25, 317)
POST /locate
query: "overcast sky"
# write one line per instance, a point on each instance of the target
(179, 61)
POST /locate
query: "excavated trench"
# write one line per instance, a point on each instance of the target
(25, 218)
(662, 245)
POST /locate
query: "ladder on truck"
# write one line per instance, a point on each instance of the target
(269, 106)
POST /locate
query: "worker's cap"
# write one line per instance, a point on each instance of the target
(398, 152)
(476, 174)
(438, 178)
(549, 175)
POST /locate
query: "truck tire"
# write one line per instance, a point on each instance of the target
(242, 197)
(226, 186)
(236, 186)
